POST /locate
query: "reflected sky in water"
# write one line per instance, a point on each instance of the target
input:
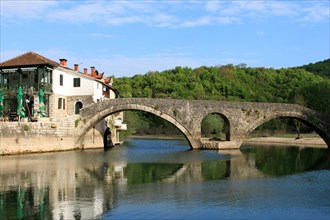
(159, 179)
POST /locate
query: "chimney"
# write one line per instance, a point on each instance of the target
(63, 62)
(93, 71)
(76, 67)
(85, 71)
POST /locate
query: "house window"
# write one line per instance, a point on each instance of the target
(59, 105)
(76, 82)
(61, 80)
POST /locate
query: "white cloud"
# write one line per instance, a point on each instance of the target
(213, 6)
(164, 13)
(283, 8)
(258, 6)
(162, 20)
(316, 13)
(311, 11)
(91, 12)
(228, 20)
(206, 20)
(25, 8)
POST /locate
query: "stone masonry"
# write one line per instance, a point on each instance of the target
(45, 136)
(241, 118)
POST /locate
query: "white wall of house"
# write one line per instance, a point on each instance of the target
(98, 92)
(112, 94)
(88, 85)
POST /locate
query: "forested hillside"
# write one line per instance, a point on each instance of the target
(287, 85)
(321, 68)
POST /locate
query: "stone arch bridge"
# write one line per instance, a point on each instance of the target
(240, 118)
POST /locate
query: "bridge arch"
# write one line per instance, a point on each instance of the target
(82, 130)
(226, 123)
(296, 115)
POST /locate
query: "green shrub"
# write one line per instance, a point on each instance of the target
(26, 127)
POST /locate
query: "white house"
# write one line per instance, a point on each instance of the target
(65, 90)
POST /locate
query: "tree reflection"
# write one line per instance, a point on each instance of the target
(138, 173)
(215, 170)
(280, 161)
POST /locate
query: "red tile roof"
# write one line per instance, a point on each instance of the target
(28, 59)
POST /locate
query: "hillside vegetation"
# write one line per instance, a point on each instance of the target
(230, 83)
(321, 68)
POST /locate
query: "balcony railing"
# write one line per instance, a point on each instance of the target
(27, 88)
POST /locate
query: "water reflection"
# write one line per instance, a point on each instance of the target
(279, 161)
(87, 184)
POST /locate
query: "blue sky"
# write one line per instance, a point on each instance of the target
(125, 38)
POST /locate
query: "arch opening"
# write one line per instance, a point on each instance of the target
(77, 107)
(291, 127)
(107, 139)
(144, 123)
(133, 107)
(215, 126)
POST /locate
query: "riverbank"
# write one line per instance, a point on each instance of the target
(310, 141)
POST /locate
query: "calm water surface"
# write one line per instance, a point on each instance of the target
(163, 179)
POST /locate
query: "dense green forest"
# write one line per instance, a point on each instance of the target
(308, 85)
(321, 68)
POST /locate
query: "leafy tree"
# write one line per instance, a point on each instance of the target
(321, 68)
(316, 96)
(212, 126)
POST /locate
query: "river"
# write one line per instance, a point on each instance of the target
(163, 179)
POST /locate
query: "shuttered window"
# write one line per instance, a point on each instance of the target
(76, 82)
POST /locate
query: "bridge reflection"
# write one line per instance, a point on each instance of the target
(34, 184)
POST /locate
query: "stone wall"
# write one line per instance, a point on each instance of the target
(37, 137)
(72, 100)
(67, 106)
